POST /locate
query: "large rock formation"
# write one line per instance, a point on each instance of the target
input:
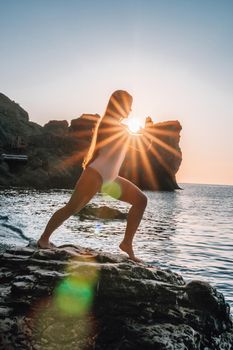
(155, 169)
(55, 151)
(74, 298)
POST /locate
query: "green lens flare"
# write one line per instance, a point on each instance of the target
(74, 296)
(69, 307)
(112, 189)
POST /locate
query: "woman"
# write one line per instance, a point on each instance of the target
(101, 165)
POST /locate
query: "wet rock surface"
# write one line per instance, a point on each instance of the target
(77, 298)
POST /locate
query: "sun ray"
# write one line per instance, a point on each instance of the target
(78, 155)
(160, 159)
(118, 106)
(133, 167)
(111, 138)
(117, 136)
(125, 102)
(149, 171)
(132, 164)
(148, 168)
(163, 144)
(71, 160)
(118, 144)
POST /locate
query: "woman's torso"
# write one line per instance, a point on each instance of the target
(110, 156)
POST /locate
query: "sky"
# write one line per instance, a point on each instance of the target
(62, 58)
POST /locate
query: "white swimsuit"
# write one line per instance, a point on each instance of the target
(109, 161)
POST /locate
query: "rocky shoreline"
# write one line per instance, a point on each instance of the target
(76, 298)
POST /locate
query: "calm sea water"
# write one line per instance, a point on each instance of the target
(188, 231)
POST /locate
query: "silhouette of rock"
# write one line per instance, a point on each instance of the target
(155, 168)
(56, 151)
(14, 123)
(81, 128)
(11, 109)
(59, 127)
(77, 298)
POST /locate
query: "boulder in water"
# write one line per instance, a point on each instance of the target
(91, 211)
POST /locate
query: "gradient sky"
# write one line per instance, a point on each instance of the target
(62, 58)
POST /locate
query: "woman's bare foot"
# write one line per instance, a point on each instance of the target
(127, 248)
(45, 244)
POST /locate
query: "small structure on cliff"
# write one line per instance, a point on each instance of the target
(13, 158)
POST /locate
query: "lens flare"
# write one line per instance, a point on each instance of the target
(111, 188)
(73, 296)
(65, 316)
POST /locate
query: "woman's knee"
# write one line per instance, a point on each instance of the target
(72, 206)
(140, 201)
(69, 209)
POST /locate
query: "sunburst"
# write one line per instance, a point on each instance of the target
(140, 141)
(134, 124)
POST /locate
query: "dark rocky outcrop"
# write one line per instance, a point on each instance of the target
(92, 211)
(75, 298)
(55, 151)
(155, 169)
(14, 122)
(58, 127)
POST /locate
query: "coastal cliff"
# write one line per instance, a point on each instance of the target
(76, 298)
(56, 150)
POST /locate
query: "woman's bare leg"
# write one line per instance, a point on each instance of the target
(86, 187)
(131, 194)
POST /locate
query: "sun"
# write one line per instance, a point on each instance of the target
(134, 124)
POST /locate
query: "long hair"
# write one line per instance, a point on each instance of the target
(117, 108)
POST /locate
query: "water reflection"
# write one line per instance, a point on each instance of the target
(161, 226)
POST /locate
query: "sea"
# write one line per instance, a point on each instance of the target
(189, 231)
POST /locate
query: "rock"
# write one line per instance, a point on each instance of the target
(92, 211)
(86, 122)
(76, 298)
(15, 127)
(156, 168)
(59, 127)
(11, 109)
(82, 128)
